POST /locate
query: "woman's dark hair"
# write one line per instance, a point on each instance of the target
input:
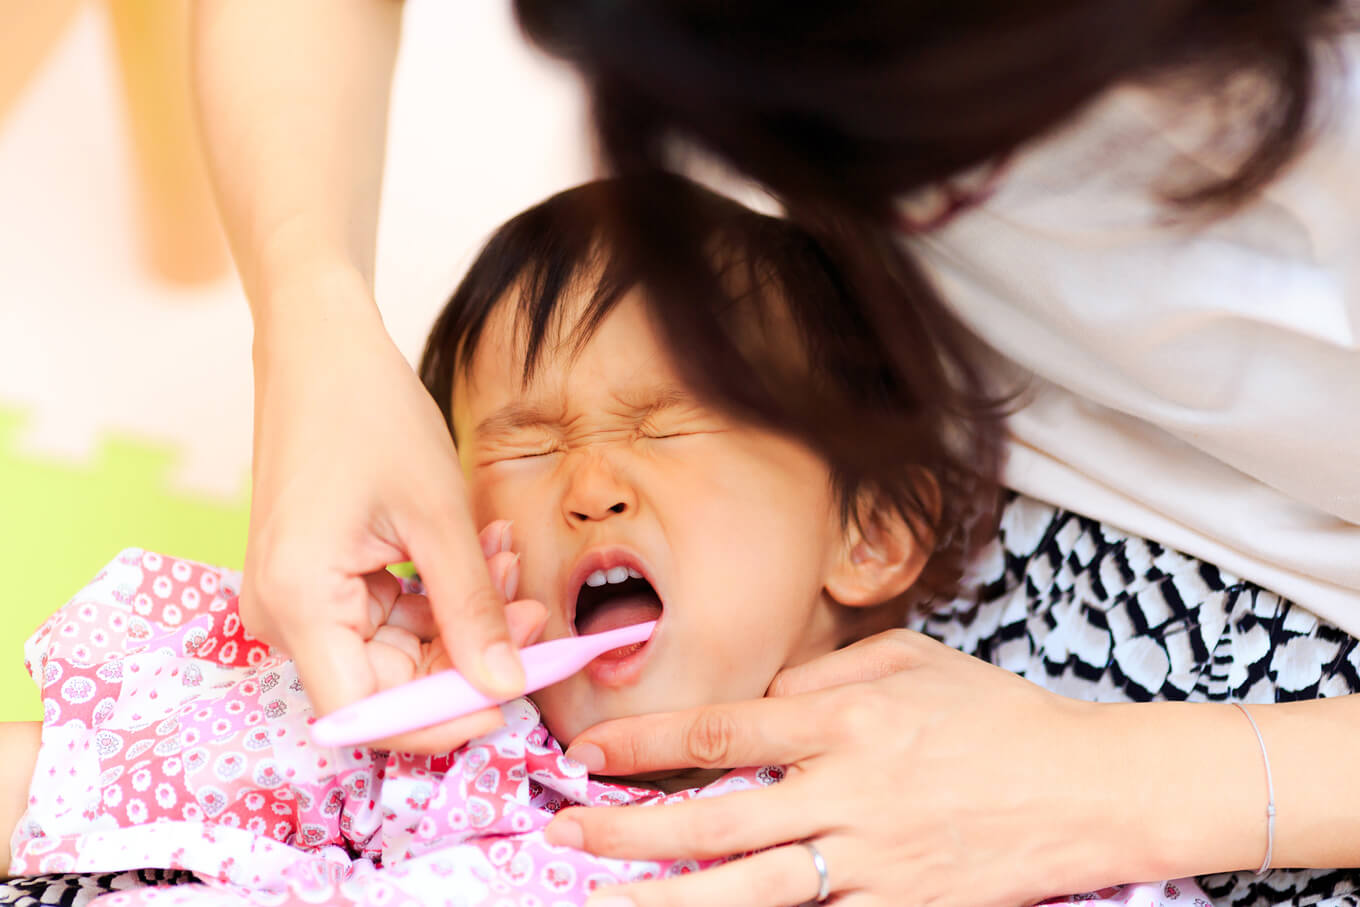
(786, 307)
(840, 109)
(846, 107)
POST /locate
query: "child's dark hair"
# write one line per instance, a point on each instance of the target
(790, 318)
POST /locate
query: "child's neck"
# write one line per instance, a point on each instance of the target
(668, 782)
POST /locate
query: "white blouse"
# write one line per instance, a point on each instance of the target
(1196, 384)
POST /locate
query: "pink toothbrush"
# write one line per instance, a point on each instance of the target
(447, 695)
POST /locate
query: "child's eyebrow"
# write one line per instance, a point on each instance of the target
(647, 403)
(513, 416)
(639, 405)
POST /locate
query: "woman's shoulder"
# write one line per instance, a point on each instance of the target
(1233, 340)
(1109, 171)
(1075, 245)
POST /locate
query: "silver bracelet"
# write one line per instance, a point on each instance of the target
(1270, 794)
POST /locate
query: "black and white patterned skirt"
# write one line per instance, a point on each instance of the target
(71, 889)
(1094, 613)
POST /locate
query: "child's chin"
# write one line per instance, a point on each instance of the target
(566, 724)
(564, 729)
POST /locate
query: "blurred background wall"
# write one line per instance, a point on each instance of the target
(125, 381)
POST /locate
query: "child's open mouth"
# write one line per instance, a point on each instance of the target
(613, 596)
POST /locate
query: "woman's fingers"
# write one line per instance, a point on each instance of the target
(950, 781)
(731, 735)
(868, 659)
(504, 569)
(467, 607)
(777, 877)
(495, 538)
(704, 828)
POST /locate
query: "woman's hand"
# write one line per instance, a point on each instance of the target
(354, 470)
(922, 775)
(353, 466)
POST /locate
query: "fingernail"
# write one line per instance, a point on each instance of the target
(376, 617)
(589, 755)
(504, 669)
(491, 542)
(506, 538)
(610, 900)
(511, 579)
(563, 832)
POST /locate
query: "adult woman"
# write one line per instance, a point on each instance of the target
(1168, 395)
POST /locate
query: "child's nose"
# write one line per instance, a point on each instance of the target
(603, 513)
(598, 492)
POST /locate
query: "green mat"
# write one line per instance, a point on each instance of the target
(62, 522)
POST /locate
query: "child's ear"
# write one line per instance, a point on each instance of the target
(882, 556)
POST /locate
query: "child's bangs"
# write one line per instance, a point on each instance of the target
(559, 305)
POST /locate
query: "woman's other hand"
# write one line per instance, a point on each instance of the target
(921, 774)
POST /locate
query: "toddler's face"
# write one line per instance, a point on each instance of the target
(632, 500)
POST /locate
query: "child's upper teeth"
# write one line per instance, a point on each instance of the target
(612, 575)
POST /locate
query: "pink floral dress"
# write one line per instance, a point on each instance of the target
(172, 739)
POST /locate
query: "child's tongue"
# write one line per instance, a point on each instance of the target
(619, 611)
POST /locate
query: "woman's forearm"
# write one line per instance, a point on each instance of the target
(293, 103)
(1201, 784)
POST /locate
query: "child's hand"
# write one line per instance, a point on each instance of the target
(404, 644)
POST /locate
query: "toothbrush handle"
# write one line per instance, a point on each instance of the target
(441, 697)
(420, 703)
(448, 695)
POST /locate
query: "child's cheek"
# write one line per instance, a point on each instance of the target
(486, 499)
(497, 494)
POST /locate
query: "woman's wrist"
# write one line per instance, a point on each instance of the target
(308, 301)
(1312, 746)
(1179, 789)
(1106, 824)
(1194, 790)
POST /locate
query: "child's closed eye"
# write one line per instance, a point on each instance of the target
(663, 429)
(521, 456)
(531, 454)
(521, 450)
(677, 432)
